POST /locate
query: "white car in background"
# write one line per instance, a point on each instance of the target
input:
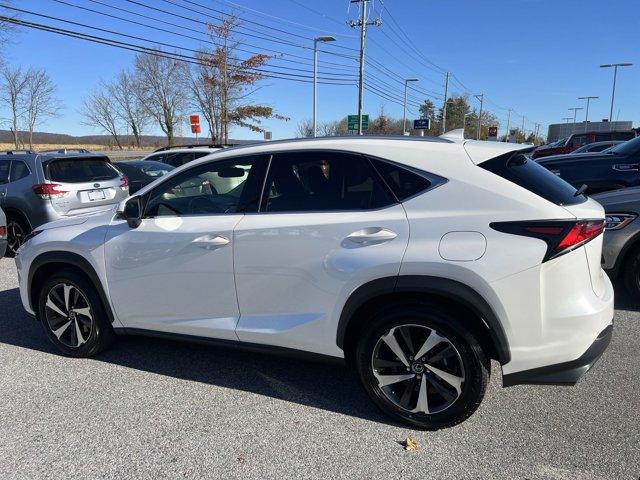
(178, 155)
(415, 260)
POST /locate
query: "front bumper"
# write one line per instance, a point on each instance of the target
(567, 373)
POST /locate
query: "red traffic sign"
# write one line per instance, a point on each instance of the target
(194, 119)
(195, 128)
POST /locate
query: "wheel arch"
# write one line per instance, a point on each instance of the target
(385, 292)
(50, 262)
(17, 213)
(623, 257)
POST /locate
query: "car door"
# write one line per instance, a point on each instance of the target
(174, 273)
(327, 225)
(19, 190)
(5, 165)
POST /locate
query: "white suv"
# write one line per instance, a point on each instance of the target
(417, 261)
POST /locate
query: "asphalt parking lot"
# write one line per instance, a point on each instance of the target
(152, 408)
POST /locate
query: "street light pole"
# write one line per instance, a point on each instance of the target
(404, 114)
(508, 124)
(615, 76)
(326, 38)
(586, 118)
(575, 111)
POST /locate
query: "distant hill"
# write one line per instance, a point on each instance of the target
(148, 141)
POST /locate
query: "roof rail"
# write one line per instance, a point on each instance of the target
(195, 145)
(64, 151)
(17, 152)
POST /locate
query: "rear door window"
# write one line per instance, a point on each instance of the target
(80, 170)
(529, 174)
(323, 181)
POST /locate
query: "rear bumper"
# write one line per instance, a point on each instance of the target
(567, 373)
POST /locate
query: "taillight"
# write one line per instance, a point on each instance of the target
(124, 183)
(561, 236)
(3, 231)
(49, 190)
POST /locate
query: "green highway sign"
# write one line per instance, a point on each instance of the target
(352, 122)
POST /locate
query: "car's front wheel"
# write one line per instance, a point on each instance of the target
(422, 367)
(73, 316)
(17, 231)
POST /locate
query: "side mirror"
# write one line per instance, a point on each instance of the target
(132, 212)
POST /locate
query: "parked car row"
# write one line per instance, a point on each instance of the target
(579, 140)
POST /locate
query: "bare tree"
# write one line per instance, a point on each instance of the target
(100, 111)
(232, 80)
(14, 86)
(205, 96)
(41, 101)
(129, 105)
(161, 90)
(324, 129)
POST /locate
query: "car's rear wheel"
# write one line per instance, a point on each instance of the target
(422, 367)
(631, 273)
(73, 316)
(17, 231)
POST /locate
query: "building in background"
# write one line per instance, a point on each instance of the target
(562, 130)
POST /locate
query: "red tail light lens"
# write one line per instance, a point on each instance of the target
(581, 233)
(124, 183)
(49, 190)
(560, 236)
(3, 231)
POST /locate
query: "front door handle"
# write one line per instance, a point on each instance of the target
(211, 242)
(371, 236)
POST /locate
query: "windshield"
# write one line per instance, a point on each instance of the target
(629, 147)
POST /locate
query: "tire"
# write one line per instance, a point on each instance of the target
(81, 328)
(423, 399)
(17, 230)
(631, 273)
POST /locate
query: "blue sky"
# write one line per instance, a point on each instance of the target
(535, 56)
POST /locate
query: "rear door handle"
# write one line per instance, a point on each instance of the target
(371, 236)
(626, 167)
(211, 242)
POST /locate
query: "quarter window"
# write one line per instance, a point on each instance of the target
(229, 186)
(322, 181)
(4, 171)
(403, 182)
(19, 170)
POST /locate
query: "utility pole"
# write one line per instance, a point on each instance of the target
(523, 117)
(404, 114)
(326, 38)
(566, 119)
(363, 23)
(508, 123)
(586, 118)
(481, 99)
(615, 76)
(443, 130)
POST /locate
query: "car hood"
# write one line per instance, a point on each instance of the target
(574, 157)
(102, 216)
(626, 198)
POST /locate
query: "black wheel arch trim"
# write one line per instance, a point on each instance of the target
(75, 260)
(443, 287)
(632, 243)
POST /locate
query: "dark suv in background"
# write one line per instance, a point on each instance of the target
(578, 140)
(618, 167)
(36, 189)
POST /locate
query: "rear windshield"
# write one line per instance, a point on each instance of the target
(80, 170)
(630, 147)
(522, 171)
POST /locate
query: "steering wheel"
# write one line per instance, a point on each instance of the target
(202, 204)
